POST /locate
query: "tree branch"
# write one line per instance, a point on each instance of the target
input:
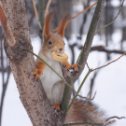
(83, 56)
(86, 9)
(86, 49)
(105, 50)
(105, 65)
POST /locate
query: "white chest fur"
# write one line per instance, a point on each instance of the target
(52, 83)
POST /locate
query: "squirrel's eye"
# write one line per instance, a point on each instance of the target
(49, 42)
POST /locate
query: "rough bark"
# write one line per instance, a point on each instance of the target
(22, 63)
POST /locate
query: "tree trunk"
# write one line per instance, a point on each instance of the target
(22, 64)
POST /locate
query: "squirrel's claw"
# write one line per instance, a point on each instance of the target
(74, 67)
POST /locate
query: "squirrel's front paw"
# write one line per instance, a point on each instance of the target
(36, 74)
(68, 67)
(73, 67)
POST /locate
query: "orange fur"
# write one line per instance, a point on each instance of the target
(84, 111)
(62, 25)
(6, 27)
(39, 69)
(46, 28)
(3, 18)
(56, 106)
(69, 66)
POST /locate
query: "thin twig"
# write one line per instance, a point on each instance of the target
(109, 51)
(102, 48)
(47, 7)
(115, 117)
(82, 97)
(36, 13)
(85, 9)
(108, 63)
(111, 120)
(108, 122)
(92, 83)
(82, 123)
(88, 66)
(82, 83)
(87, 98)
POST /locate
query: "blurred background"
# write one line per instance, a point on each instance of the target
(108, 84)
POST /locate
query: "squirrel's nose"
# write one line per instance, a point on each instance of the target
(60, 49)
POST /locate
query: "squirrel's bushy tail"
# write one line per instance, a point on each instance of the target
(86, 112)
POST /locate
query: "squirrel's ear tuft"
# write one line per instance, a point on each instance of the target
(47, 22)
(62, 25)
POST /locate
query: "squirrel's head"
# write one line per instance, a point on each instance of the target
(53, 40)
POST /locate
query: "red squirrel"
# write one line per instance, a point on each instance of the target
(52, 52)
